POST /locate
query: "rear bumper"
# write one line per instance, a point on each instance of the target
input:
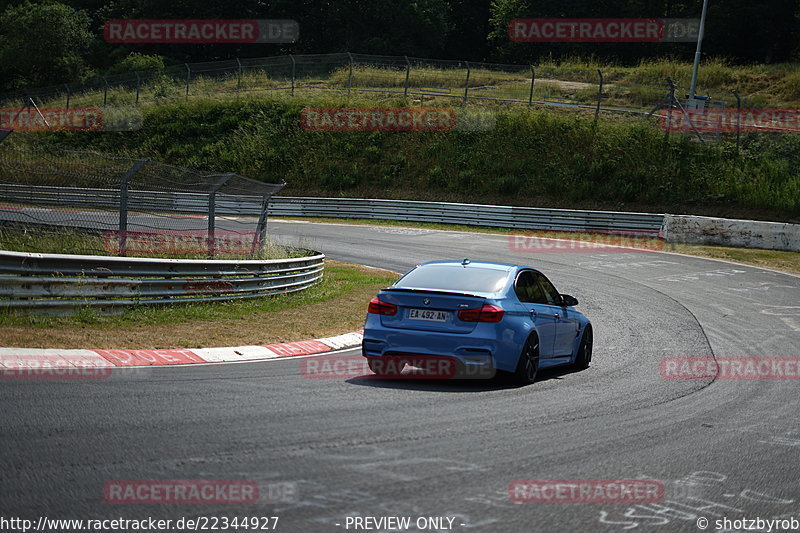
(470, 356)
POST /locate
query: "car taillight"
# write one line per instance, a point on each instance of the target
(487, 313)
(377, 307)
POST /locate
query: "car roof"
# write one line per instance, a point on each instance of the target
(479, 264)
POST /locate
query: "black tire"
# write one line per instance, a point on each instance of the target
(528, 363)
(584, 357)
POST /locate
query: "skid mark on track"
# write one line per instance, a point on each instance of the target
(697, 276)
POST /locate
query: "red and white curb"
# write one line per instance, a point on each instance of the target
(35, 359)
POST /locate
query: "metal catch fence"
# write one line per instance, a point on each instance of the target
(420, 79)
(53, 198)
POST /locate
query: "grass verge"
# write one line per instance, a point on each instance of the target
(165, 245)
(337, 305)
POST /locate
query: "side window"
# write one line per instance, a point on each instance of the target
(528, 289)
(550, 293)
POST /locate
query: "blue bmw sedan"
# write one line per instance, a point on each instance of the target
(478, 317)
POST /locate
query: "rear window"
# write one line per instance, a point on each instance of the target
(454, 278)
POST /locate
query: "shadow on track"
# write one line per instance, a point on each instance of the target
(500, 382)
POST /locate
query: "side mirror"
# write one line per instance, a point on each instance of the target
(568, 301)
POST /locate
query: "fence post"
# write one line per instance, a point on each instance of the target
(466, 83)
(188, 78)
(294, 71)
(239, 78)
(212, 208)
(105, 91)
(738, 119)
(138, 84)
(350, 78)
(533, 82)
(123, 204)
(261, 227)
(670, 104)
(408, 77)
(69, 95)
(599, 97)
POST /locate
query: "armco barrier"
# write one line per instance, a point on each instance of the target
(469, 214)
(497, 216)
(730, 232)
(673, 228)
(57, 284)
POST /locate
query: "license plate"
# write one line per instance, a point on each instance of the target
(427, 314)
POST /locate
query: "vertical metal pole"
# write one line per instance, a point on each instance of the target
(599, 97)
(533, 82)
(350, 78)
(69, 95)
(138, 84)
(188, 78)
(738, 119)
(294, 71)
(670, 105)
(212, 217)
(408, 77)
(261, 227)
(105, 91)
(239, 78)
(123, 204)
(697, 53)
(212, 210)
(466, 83)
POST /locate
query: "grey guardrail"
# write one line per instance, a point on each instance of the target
(412, 211)
(60, 283)
(497, 216)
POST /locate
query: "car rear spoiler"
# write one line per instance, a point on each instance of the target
(435, 291)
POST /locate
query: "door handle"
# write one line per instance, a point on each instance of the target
(555, 316)
(533, 313)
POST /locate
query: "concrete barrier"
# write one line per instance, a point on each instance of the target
(689, 229)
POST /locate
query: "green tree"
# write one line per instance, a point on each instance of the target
(391, 27)
(742, 30)
(468, 27)
(43, 44)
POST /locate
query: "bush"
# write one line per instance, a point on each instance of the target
(531, 157)
(137, 62)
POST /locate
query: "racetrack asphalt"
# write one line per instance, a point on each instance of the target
(417, 448)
